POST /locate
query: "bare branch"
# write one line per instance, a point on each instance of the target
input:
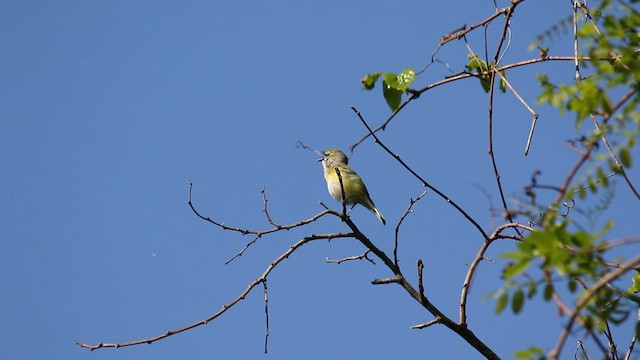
(534, 114)
(265, 209)
(257, 233)
(404, 215)
(420, 281)
(390, 280)
(466, 285)
(261, 279)
(459, 34)
(494, 163)
(266, 315)
(427, 324)
(351, 258)
(423, 181)
(461, 329)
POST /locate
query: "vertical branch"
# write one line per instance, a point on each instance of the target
(344, 197)
(420, 283)
(494, 164)
(575, 40)
(406, 213)
(467, 280)
(534, 115)
(266, 314)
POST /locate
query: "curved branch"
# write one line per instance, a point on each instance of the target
(479, 257)
(260, 280)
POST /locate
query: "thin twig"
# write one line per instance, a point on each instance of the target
(257, 233)
(351, 258)
(534, 115)
(404, 215)
(459, 34)
(427, 324)
(423, 181)
(265, 209)
(492, 155)
(466, 285)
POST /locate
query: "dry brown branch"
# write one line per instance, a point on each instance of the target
(466, 285)
(404, 215)
(587, 296)
(351, 258)
(260, 280)
(461, 330)
(459, 34)
(415, 174)
(266, 315)
(494, 163)
(534, 114)
(257, 233)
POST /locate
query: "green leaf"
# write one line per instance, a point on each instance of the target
(369, 81)
(518, 301)
(625, 158)
(548, 292)
(573, 285)
(485, 81)
(502, 302)
(516, 269)
(392, 96)
(530, 353)
(533, 289)
(400, 81)
(635, 287)
(602, 178)
(593, 186)
(503, 83)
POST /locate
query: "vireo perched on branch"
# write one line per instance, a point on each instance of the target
(354, 190)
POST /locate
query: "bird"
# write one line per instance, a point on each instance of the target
(354, 189)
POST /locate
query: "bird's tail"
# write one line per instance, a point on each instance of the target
(379, 215)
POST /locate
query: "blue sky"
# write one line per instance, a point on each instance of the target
(111, 108)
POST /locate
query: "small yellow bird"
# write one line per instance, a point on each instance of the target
(354, 189)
